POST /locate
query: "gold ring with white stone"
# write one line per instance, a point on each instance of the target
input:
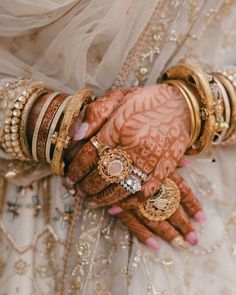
(163, 203)
(115, 166)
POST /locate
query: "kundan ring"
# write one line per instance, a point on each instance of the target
(115, 166)
(163, 203)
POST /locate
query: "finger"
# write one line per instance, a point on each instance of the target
(83, 163)
(93, 183)
(188, 200)
(142, 233)
(182, 223)
(165, 166)
(114, 193)
(111, 195)
(184, 162)
(97, 113)
(162, 228)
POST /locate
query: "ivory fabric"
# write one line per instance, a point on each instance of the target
(72, 43)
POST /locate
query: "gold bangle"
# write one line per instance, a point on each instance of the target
(62, 140)
(12, 142)
(53, 127)
(224, 115)
(196, 78)
(193, 108)
(24, 119)
(229, 87)
(39, 122)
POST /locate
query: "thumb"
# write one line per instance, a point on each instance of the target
(98, 112)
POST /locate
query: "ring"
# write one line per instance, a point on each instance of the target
(163, 203)
(115, 166)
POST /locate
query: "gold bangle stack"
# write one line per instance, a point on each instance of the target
(228, 80)
(62, 138)
(14, 134)
(207, 99)
(39, 123)
(52, 130)
(193, 105)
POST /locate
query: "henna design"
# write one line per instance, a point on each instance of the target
(181, 222)
(111, 195)
(188, 199)
(84, 162)
(163, 228)
(99, 184)
(140, 231)
(152, 126)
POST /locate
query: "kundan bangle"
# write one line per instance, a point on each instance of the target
(53, 129)
(45, 125)
(62, 139)
(12, 134)
(39, 121)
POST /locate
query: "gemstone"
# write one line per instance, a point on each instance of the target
(14, 136)
(18, 105)
(15, 120)
(7, 137)
(8, 121)
(16, 113)
(22, 99)
(8, 143)
(115, 168)
(16, 149)
(14, 128)
(7, 129)
(15, 143)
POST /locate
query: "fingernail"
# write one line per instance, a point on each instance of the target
(81, 131)
(69, 181)
(80, 192)
(152, 244)
(114, 210)
(200, 217)
(191, 238)
(185, 162)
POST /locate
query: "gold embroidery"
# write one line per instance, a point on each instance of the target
(21, 267)
(149, 44)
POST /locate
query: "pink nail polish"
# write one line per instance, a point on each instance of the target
(200, 217)
(186, 162)
(114, 210)
(152, 244)
(80, 133)
(69, 181)
(80, 192)
(191, 238)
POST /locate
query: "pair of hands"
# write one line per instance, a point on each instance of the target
(152, 124)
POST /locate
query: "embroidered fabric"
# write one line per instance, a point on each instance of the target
(69, 44)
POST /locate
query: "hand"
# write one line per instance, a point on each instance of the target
(152, 125)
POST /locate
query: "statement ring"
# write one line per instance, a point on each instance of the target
(163, 203)
(115, 166)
